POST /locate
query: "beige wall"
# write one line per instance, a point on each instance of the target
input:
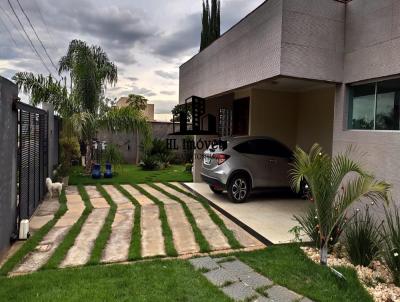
(274, 114)
(315, 118)
(294, 118)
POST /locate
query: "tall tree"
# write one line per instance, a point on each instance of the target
(84, 110)
(211, 19)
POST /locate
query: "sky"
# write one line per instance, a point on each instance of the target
(147, 39)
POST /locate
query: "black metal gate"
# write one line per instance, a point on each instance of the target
(33, 158)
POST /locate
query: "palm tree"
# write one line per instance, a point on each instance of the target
(334, 184)
(84, 109)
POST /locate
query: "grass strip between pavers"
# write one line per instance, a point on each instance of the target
(135, 249)
(166, 230)
(200, 239)
(35, 239)
(105, 231)
(69, 239)
(233, 242)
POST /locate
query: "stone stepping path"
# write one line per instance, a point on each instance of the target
(244, 238)
(209, 229)
(182, 232)
(142, 199)
(117, 248)
(182, 187)
(45, 249)
(151, 231)
(241, 283)
(157, 194)
(79, 253)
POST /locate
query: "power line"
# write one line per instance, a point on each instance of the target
(37, 36)
(15, 26)
(49, 34)
(9, 32)
(27, 36)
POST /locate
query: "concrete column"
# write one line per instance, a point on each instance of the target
(198, 154)
(51, 137)
(8, 162)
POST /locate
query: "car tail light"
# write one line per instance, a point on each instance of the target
(221, 158)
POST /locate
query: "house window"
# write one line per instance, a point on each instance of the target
(224, 122)
(375, 106)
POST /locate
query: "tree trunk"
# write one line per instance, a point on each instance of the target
(323, 253)
(88, 167)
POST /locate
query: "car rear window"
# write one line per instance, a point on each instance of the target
(266, 147)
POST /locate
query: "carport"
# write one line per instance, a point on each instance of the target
(267, 216)
(296, 112)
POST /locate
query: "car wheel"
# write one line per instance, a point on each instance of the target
(216, 190)
(239, 188)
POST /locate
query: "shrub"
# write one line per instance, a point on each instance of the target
(150, 162)
(310, 226)
(362, 239)
(188, 167)
(391, 243)
(69, 150)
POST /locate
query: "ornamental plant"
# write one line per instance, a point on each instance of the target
(335, 183)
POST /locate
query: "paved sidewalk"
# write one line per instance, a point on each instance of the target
(241, 283)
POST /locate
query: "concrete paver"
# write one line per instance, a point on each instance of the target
(39, 257)
(209, 229)
(157, 194)
(79, 253)
(142, 199)
(182, 232)
(117, 247)
(152, 238)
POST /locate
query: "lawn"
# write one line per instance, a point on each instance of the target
(288, 266)
(176, 280)
(131, 174)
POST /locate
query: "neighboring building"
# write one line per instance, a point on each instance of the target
(308, 71)
(148, 112)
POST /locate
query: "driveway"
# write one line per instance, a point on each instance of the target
(270, 215)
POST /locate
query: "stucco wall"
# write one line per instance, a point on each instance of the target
(8, 161)
(315, 118)
(313, 39)
(372, 39)
(248, 53)
(274, 114)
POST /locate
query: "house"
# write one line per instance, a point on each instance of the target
(308, 71)
(148, 111)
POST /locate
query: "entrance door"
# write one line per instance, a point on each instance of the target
(241, 117)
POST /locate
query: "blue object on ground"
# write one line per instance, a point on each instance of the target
(108, 172)
(96, 171)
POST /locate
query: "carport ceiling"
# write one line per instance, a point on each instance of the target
(292, 85)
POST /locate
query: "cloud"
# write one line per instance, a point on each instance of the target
(184, 39)
(163, 106)
(167, 75)
(133, 79)
(143, 91)
(167, 92)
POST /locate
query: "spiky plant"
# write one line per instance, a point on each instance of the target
(335, 184)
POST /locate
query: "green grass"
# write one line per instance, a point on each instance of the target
(217, 220)
(166, 230)
(200, 239)
(131, 174)
(287, 265)
(156, 281)
(69, 239)
(35, 239)
(105, 231)
(135, 247)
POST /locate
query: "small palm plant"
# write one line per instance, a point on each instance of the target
(334, 184)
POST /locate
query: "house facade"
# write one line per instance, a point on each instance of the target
(308, 71)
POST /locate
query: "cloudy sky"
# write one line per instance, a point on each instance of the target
(148, 39)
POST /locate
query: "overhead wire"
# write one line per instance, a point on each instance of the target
(8, 30)
(27, 36)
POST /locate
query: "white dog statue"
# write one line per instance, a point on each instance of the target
(53, 187)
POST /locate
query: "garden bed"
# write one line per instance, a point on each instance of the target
(376, 278)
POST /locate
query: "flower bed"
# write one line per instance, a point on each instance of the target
(376, 278)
